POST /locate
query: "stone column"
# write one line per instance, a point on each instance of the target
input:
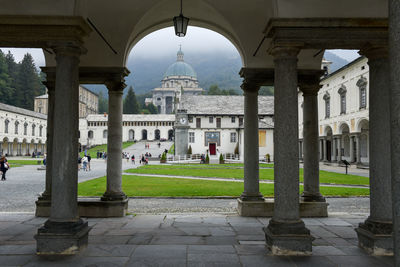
(325, 149)
(375, 234)
(394, 82)
(64, 232)
(114, 143)
(251, 151)
(309, 85)
(358, 150)
(46, 195)
(286, 233)
(339, 153)
(351, 149)
(334, 149)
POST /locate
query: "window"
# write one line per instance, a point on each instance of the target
(211, 119)
(233, 137)
(33, 129)
(218, 122)
(327, 99)
(25, 128)
(362, 84)
(240, 121)
(16, 127)
(342, 92)
(198, 122)
(6, 126)
(233, 119)
(40, 130)
(191, 137)
(105, 134)
(90, 134)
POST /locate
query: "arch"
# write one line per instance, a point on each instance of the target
(157, 134)
(170, 135)
(344, 128)
(90, 134)
(362, 125)
(144, 134)
(131, 134)
(105, 134)
(328, 130)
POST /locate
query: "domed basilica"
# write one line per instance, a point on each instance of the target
(180, 78)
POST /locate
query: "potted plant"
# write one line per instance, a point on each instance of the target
(236, 152)
(221, 159)
(189, 150)
(207, 159)
(268, 158)
(163, 158)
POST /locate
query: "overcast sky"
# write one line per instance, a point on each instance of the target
(164, 42)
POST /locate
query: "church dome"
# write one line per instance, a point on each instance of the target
(180, 68)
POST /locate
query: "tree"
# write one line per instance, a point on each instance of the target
(131, 105)
(266, 90)
(28, 84)
(214, 90)
(152, 109)
(6, 91)
(103, 103)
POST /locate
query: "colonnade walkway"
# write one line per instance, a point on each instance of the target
(187, 240)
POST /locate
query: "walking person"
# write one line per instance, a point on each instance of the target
(4, 166)
(89, 158)
(84, 163)
(133, 159)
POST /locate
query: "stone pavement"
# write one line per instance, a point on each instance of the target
(186, 240)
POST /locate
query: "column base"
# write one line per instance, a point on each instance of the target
(99, 208)
(253, 198)
(114, 196)
(309, 197)
(62, 238)
(43, 207)
(376, 237)
(288, 238)
(89, 207)
(266, 208)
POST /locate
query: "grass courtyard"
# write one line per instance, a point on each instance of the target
(93, 151)
(177, 187)
(232, 171)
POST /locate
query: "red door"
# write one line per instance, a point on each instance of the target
(212, 147)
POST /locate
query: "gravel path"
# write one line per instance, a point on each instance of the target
(178, 205)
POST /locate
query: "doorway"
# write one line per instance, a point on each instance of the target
(328, 150)
(212, 148)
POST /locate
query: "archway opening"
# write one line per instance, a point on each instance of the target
(144, 134)
(157, 134)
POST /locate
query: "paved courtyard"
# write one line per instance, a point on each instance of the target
(186, 240)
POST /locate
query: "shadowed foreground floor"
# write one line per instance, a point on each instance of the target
(186, 240)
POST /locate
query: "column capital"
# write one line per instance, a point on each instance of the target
(374, 52)
(257, 76)
(284, 52)
(309, 81)
(68, 49)
(115, 86)
(249, 87)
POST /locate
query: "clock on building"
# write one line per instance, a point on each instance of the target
(182, 120)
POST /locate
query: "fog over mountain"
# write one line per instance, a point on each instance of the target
(213, 67)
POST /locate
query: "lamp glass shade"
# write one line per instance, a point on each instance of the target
(180, 25)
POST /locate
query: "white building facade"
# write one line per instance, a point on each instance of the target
(93, 129)
(343, 115)
(216, 124)
(22, 131)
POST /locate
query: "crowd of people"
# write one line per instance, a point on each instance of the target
(84, 163)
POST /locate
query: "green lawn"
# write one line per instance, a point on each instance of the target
(203, 166)
(224, 172)
(155, 186)
(93, 151)
(21, 162)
